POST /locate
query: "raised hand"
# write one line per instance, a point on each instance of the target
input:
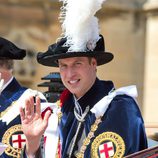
(33, 125)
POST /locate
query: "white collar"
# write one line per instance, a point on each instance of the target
(5, 85)
(100, 107)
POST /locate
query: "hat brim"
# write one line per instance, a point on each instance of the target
(16, 54)
(9, 51)
(52, 60)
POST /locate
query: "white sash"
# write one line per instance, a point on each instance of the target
(51, 133)
(13, 112)
(100, 108)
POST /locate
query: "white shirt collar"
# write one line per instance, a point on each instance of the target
(5, 85)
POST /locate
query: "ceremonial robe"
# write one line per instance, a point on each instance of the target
(11, 133)
(13, 96)
(119, 132)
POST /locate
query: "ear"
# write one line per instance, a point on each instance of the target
(94, 62)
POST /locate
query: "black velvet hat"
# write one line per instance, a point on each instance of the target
(8, 50)
(59, 51)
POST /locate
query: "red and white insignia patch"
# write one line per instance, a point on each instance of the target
(106, 150)
(108, 145)
(18, 140)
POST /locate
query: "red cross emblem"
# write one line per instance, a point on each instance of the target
(106, 150)
(18, 140)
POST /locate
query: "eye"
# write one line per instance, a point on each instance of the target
(62, 66)
(78, 63)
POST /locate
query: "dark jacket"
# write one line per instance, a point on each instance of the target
(11, 134)
(120, 132)
(122, 119)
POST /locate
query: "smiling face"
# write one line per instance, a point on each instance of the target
(78, 74)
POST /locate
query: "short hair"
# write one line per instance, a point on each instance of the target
(90, 59)
(7, 64)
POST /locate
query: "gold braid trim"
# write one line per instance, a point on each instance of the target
(87, 140)
(59, 119)
(6, 110)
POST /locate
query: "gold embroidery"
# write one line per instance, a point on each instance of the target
(113, 137)
(11, 151)
(59, 112)
(6, 110)
(108, 137)
(59, 118)
(87, 140)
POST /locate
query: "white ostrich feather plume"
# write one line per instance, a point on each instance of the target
(79, 23)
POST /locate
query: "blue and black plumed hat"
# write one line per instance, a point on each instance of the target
(80, 34)
(10, 51)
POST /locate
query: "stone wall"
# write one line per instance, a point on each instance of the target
(32, 25)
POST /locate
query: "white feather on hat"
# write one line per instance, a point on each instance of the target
(79, 24)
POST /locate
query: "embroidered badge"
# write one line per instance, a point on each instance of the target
(15, 139)
(108, 145)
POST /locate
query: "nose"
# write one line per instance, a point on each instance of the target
(70, 72)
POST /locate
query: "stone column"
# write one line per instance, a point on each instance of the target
(150, 100)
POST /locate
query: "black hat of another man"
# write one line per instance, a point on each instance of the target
(10, 51)
(59, 51)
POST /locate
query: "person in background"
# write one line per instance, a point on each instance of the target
(11, 96)
(95, 119)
